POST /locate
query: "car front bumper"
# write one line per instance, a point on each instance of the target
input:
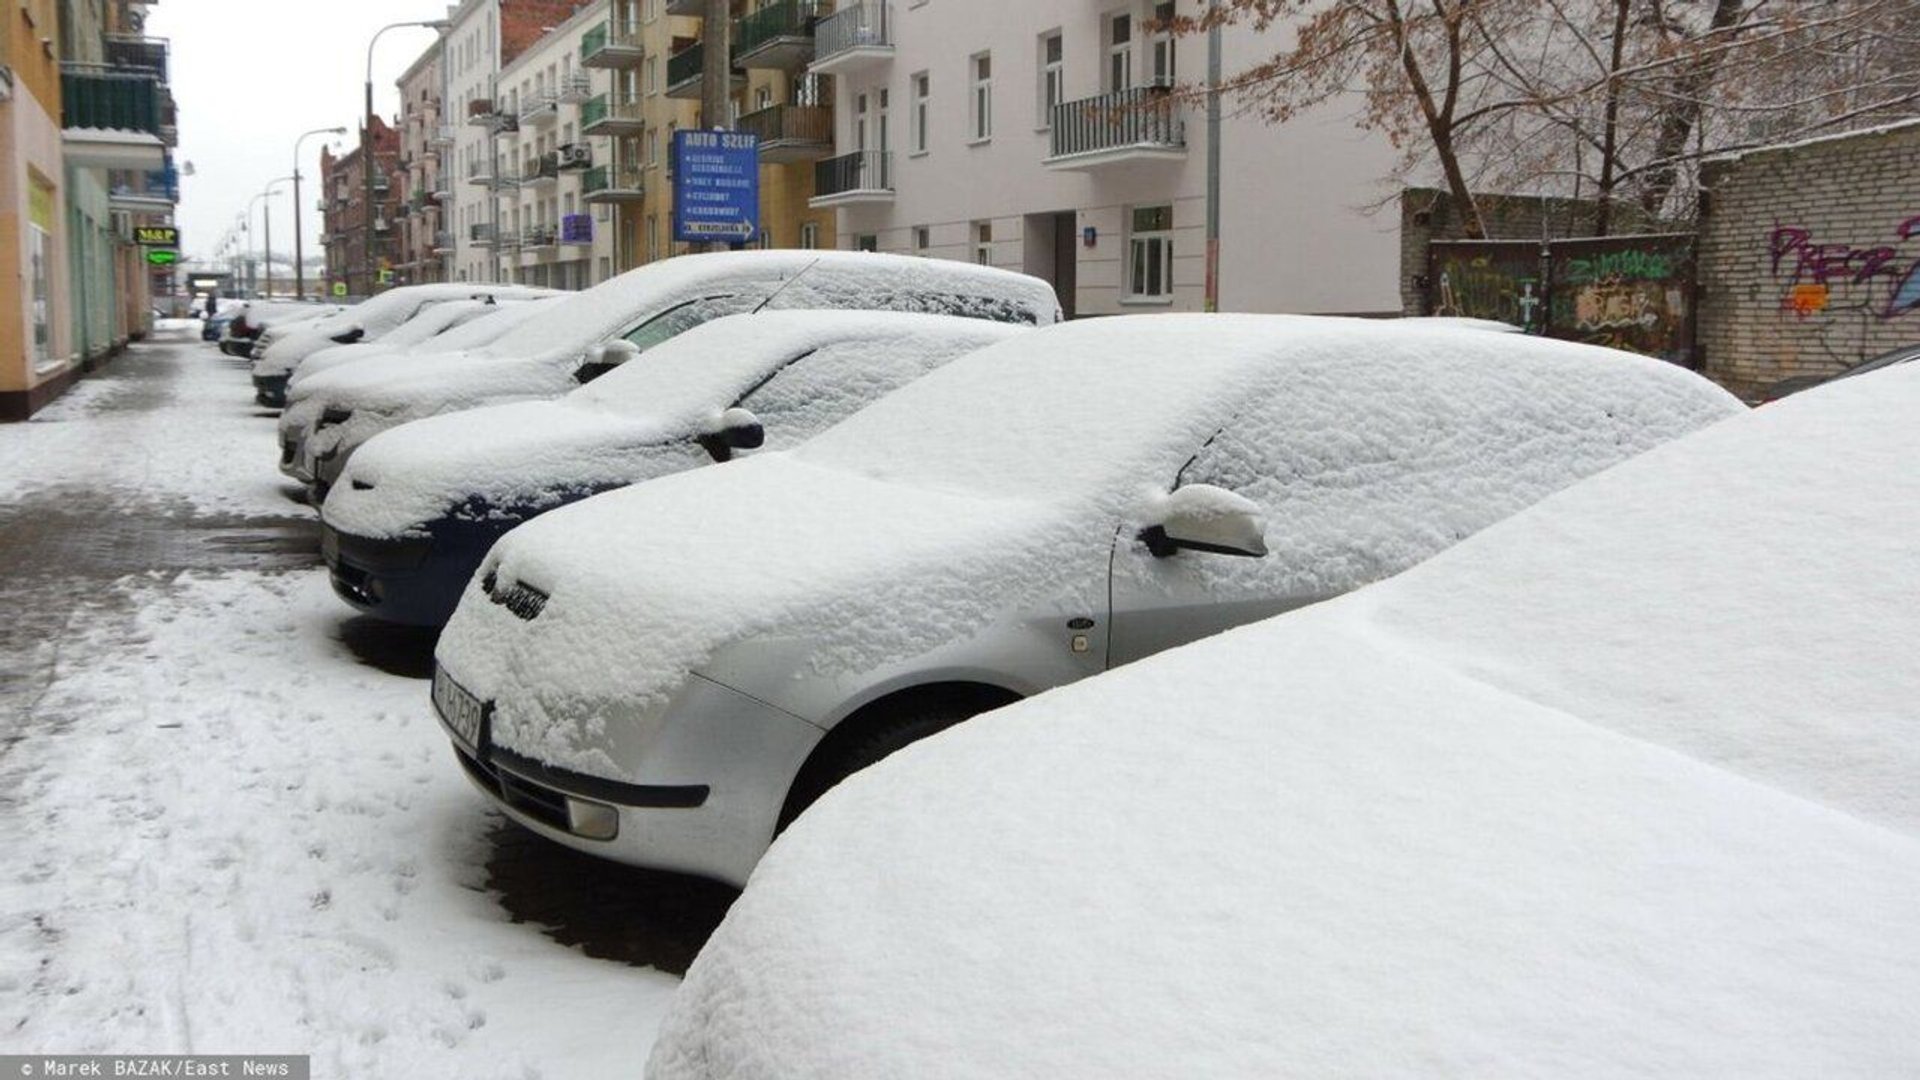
(271, 390)
(705, 802)
(416, 581)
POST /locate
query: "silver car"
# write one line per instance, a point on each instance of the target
(667, 674)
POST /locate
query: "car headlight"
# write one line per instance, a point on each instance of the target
(331, 417)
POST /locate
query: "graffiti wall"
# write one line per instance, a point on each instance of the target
(1632, 293)
(1878, 277)
(1809, 258)
(1503, 280)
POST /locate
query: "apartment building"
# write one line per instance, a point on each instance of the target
(548, 233)
(86, 135)
(1046, 138)
(424, 241)
(360, 221)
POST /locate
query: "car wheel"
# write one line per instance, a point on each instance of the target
(866, 743)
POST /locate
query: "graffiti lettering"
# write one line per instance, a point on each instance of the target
(1631, 264)
(1812, 272)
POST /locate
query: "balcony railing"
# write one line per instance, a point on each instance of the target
(442, 242)
(862, 176)
(480, 111)
(686, 67)
(481, 171)
(607, 115)
(779, 35)
(605, 183)
(540, 236)
(540, 107)
(481, 235)
(443, 135)
(858, 34)
(1138, 124)
(606, 46)
(791, 132)
(98, 96)
(541, 169)
(576, 87)
(136, 51)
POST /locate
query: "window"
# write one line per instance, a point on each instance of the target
(880, 118)
(1150, 253)
(653, 237)
(809, 235)
(763, 98)
(1162, 46)
(860, 122)
(653, 75)
(866, 242)
(681, 318)
(1119, 53)
(983, 243)
(981, 103)
(1053, 77)
(922, 90)
(922, 239)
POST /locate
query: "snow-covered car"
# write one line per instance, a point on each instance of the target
(1906, 354)
(279, 351)
(618, 319)
(1622, 786)
(419, 332)
(421, 504)
(664, 675)
(305, 403)
(246, 321)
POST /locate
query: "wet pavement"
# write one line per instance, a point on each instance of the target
(68, 546)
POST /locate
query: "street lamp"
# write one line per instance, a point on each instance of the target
(266, 217)
(299, 252)
(366, 145)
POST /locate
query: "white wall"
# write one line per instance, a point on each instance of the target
(473, 50)
(1294, 234)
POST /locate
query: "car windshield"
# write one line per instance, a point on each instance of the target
(681, 318)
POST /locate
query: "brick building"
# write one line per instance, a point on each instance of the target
(347, 210)
(1809, 256)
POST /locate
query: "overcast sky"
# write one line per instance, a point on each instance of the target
(251, 75)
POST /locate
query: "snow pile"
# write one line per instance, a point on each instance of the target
(1622, 786)
(373, 319)
(797, 371)
(1000, 482)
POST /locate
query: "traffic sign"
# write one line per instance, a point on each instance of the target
(716, 186)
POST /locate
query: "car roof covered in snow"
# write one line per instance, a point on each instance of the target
(517, 454)
(1002, 477)
(467, 335)
(1623, 785)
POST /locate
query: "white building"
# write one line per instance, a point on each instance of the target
(1035, 135)
(547, 233)
(472, 60)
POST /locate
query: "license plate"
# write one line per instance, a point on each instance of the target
(459, 709)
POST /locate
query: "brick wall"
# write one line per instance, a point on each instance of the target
(1810, 257)
(523, 22)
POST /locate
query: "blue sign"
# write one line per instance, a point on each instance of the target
(576, 228)
(716, 186)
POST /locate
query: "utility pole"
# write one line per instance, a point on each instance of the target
(716, 77)
(1213, 156)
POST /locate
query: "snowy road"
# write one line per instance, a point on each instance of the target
(231, 823)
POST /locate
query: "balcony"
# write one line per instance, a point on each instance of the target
(148, 191)
(857, 37)
(540, 236)
(480, 235)
(481, 172)
(607, 47)
(443, 135)
(685, 69)
(112, 117)
(381, 224)
(606, 184)
(1142, 124)
(544, 169)
(576, 88)
(778, 36)
(136, 51)
(686, 7)
(480, 111)
(542, 107)
(864, 176)
(443, 242)
(605, 115)
(789, 133)
(506, 239)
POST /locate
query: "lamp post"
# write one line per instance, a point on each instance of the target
(266, 217)
(366, 147)
(299, 253)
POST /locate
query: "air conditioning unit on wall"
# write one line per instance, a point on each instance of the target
(576, 156)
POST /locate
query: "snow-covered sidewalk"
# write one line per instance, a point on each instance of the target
(226, 834)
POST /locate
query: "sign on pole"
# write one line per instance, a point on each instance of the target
(162, 257)
(716, 186)
(339, 288)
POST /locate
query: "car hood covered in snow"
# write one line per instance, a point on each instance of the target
(992, 485)
(470, 334)
(1622, 786)
(641, 420)
(373, 318)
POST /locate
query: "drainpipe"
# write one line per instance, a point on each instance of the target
(1213, 159)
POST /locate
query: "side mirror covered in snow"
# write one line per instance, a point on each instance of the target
(351, 336)
(1201, 517)
(737, 429)
(603, 358)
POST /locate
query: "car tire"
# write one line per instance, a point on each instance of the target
(871, 742)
